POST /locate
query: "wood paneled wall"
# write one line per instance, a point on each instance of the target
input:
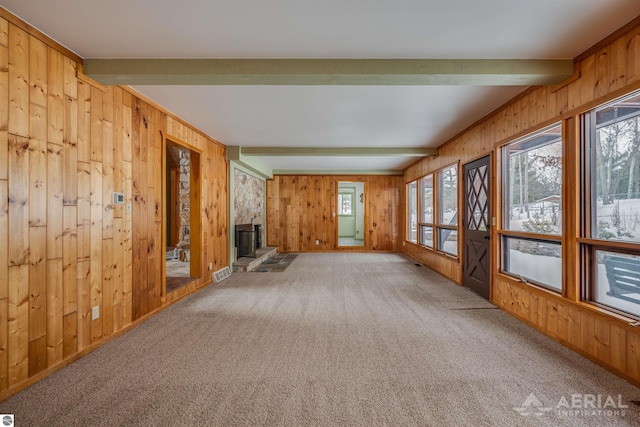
(66, 144)
(300, 211)
(605, 72)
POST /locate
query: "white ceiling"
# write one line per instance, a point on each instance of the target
(328, 116)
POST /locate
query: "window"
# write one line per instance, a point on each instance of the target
(412, 211)
(447, 209)
(432, 211)
(426, 208)
(611, 241)
(345, 203)
(532, 193)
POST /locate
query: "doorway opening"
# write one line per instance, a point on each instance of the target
(350, 214)
(182, 215)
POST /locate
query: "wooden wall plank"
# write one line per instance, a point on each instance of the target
(70, 155)
(37, 355)
(601, 70)
(563, 322)
(70, 259)
(54, 311)
(18, 324)
(633, 56)
(4, 32)
(84, 211)
(575, 337)
(107, 287)
(143, 126)
(38, 284)
(617, 64)
(84, 304)
(633, 355)
(84, 122)
(4, 344)
(18, 200)
(118, 271)
(96, 133)
(55, 190)
(18, 82)
(96, 247)
(37, 72)
(4, 245)
(70, 78)
(38, 166)
(107, 180)
(587, 80)
(618, 340)
(55, 98)
(70, 338)
(107, 105)
(127, 144)
(587, 324)
(4, 111)
(118, 148)
(127, 246)
(601, 335)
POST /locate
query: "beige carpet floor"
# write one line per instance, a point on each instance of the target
(338, 339)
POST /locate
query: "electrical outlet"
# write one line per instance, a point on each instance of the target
(317, 242)
(95, 312)
(210, 266)
(128, 207)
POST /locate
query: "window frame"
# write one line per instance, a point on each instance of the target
(589, 242)
(425, 224)
(408, 216)
(505, 233)
(341, 198)
(437, 225)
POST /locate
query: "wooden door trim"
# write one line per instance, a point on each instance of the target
(195, 233)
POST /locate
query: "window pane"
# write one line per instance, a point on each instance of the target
(412, 197)
(426, 190)
(617, 283)
(448, 200)
(534, 183)
(345, 203)
(426, 236)
(536, 261)
(477, 202)
(617, 170)
(448, 241)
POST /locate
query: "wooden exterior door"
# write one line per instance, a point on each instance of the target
(477, 200)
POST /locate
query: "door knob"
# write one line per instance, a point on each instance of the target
(486, 237)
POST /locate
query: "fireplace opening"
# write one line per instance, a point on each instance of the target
(248, 239)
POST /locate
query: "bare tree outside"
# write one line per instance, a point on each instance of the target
(617, 166)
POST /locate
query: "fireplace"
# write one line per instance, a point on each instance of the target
(248, 239)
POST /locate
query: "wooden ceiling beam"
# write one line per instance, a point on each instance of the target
(473, 72)
(337, 151)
